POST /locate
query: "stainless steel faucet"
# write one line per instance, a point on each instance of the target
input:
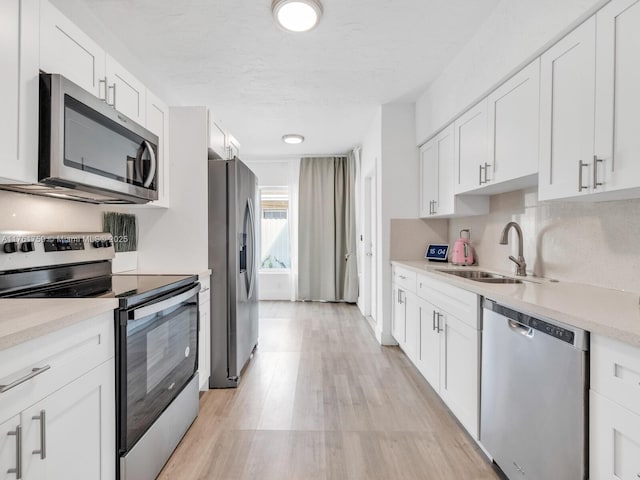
(504, 240)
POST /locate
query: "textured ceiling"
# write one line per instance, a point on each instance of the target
(263, 82)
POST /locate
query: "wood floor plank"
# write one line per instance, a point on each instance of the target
(322, 400)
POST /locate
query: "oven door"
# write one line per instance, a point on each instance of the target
(158, 352)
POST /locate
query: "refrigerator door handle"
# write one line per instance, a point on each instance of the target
(253, 248)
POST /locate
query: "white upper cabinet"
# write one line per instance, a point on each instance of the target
(437, 174)
(19, 25)
(567, 113)
(617, 142)
(471, 149)
(157, 115)
(125, 93)
(514, 114)
(67, 50)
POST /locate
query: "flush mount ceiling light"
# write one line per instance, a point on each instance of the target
(292, 138)
(297, 15)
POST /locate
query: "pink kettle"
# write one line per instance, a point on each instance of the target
(462, 250)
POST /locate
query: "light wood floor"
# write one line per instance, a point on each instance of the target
(322, 400)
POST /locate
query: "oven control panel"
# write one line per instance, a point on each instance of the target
(31, 250)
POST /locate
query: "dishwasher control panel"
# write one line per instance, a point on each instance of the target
(553, 330)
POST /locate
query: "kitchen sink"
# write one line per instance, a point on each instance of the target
(480, 276)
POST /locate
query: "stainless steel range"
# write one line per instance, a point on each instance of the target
(156, 331)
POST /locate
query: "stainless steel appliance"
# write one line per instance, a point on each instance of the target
(534, 395)
(156, 331)
(90, 152)
(234, 262)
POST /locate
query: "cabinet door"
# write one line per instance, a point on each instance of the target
(445, 204)
(9, 80)
(567, 114)
(399, 318)
(79, 430)
(514, 118)
(429, 177)
(125, 92)
(67, 50)
(471, 149)
(618, 96)
(157, 116)
(9, 439)
(428, 357)
(411, 326)
(614, 440)
(459, 370)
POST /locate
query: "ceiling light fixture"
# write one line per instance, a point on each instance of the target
(297, 15)
(292, 139)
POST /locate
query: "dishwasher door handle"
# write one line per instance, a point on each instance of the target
(521, 329)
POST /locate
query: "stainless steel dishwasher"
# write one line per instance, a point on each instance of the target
(534, 395)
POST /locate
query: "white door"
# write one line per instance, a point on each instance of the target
(67, 50)
(614, 440)
(618, 96)
(125, 92)
(514, 120)
(471, 149)
(446, 153)
(9, 438)
(428, 177)
(567, 114)
(428, 357)
(459, 370)
(79, 430)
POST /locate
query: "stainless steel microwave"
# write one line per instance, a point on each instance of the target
(90, 152)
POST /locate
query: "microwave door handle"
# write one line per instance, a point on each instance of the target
(154, 165)
(168, 303)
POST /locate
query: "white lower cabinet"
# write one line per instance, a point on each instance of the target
(60, 422)
(614, 440)
(438, 328)
(204, 341)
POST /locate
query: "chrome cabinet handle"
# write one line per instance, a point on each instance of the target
(43, 434)
(399, 297)
(438, 314)
(402, 277)
(113, 89)
(18, 435)
(480, 182)
(34, 373)
(581, 165)
(435, 211)
(596, 160)
(102, 81)
(486, 169)
(430, 207)
(433, 320)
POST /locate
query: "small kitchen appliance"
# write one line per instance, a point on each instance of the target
(462, 250)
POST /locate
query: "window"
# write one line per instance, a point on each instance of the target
(275, 251)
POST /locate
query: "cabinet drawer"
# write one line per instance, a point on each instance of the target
(615, 371)
(456, 301)
(614, 440)
(405, 278)
(69, 353)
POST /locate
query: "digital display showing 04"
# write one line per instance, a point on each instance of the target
(437, 253)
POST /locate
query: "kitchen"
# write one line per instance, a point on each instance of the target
(532, 82)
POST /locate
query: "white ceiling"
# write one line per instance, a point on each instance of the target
(263, 82)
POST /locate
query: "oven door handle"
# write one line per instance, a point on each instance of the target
(163, 305)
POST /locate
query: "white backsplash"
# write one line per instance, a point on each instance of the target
(583, 242)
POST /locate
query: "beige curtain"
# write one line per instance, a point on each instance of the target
(327, 268)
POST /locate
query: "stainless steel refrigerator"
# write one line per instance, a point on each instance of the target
(233, 258)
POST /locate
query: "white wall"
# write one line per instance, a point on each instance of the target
(280, 173)
(515, 31)
(388, 149)
(592, 243)
(176, 240)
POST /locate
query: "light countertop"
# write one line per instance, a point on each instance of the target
(23, 319)
(598, 310)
